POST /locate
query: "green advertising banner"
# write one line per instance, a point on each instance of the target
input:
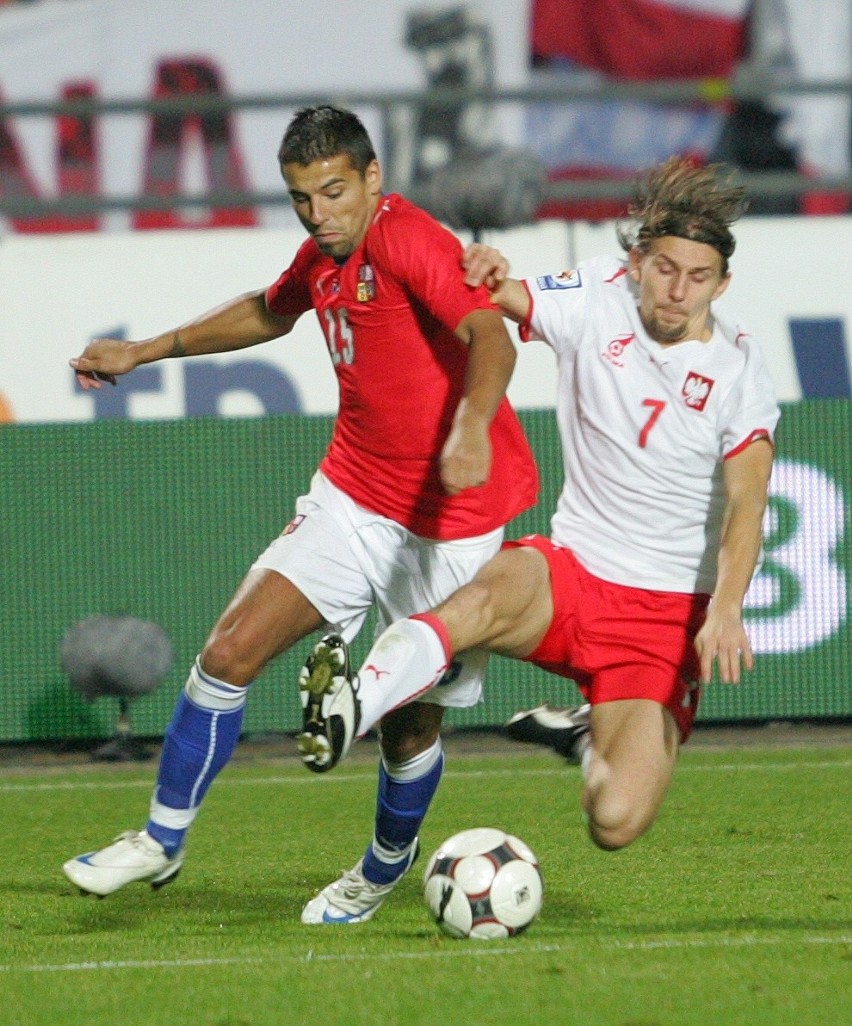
(160, 520)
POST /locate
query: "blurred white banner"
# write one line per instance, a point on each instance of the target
(57, 292)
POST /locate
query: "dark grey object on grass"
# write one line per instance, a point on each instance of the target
(122, 657)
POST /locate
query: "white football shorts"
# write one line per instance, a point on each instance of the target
(345, 560)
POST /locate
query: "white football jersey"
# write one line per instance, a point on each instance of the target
(645, 429)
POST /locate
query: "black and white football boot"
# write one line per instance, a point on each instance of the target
(566, 731)
(331, 711)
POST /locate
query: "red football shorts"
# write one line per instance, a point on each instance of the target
(617, 642)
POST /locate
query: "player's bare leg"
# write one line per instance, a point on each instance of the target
(628, 769)
(409, 731)
(266, 615)
(507, 608)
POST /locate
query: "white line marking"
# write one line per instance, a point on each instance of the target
(456, 951)
(350, 778)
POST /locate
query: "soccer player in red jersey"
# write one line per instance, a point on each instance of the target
(666, 415)
(426, 464)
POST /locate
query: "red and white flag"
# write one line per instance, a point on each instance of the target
(627, 40)
(642, 39)
(645, 40)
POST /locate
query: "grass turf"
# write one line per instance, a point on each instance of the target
(734, 909)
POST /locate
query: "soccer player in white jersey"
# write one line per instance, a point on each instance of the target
(666, 415)
(426, 464)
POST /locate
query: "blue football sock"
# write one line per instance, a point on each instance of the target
(405, 793)
(199, 741)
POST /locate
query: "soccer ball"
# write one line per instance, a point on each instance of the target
(483, 883)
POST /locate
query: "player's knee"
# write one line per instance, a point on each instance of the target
(615, 824)
(224, 658)
(609, 838)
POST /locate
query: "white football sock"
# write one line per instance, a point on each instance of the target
(407, 660)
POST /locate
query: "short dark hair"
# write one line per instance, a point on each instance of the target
(679, 198)
(317, 133)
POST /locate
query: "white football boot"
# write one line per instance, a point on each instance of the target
(132, 856)
(352, 898)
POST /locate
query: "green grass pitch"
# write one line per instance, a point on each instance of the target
(734, 909)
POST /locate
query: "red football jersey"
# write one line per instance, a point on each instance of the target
(388, 314)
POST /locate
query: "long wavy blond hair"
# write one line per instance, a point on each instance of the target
(678, 198)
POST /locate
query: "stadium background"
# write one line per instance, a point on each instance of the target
(147, 509)
(160, 519)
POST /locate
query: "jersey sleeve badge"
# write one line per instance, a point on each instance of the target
(563, 280)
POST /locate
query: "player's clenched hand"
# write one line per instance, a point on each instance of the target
(484, 265)
(466, 457)
(723, 639)
(102, 360)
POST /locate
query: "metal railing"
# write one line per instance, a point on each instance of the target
(743, 87)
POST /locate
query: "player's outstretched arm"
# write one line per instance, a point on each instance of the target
(723, 638)
(242, 322)
(485, 265)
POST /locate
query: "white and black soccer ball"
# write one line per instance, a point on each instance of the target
(483, 883)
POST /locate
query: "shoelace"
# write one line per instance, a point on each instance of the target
(354, 884)
(143, 843)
